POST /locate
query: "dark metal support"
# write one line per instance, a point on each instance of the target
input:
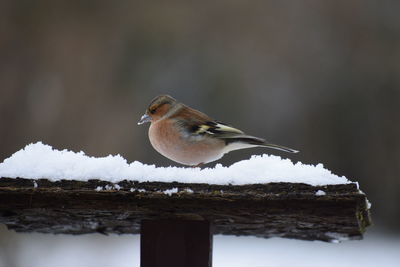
(175, 243)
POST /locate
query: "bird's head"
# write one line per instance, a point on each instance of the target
(158, 107)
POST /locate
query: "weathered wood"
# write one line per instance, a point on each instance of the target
(289, 210)
(175, 243)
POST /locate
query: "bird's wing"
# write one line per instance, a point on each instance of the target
(197, 124)
(217, 129)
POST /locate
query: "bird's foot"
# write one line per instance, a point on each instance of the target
(198, 165)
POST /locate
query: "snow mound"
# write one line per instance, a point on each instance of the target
(39, 160)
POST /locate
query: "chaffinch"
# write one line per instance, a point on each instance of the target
(190, 137)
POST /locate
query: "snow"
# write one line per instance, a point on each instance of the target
(368, 204)
(99, 188)
(337, 237)
(188, 190)
(375, 250)
(320, 193)
(117, 186)
(108, 187)
(171, 191)
(39, 160)
(34, 250)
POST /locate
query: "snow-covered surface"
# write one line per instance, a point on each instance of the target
(38, 160)
(320, 193)
(171, 191)
(368, 204)
(41, 250)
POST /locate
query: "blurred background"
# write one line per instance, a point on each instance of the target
(322, 77)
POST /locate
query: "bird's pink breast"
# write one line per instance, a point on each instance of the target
(173, 144)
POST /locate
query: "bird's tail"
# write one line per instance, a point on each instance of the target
(278, 147)
(255, 141)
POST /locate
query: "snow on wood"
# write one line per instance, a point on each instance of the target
(51, 191)
(42, 161)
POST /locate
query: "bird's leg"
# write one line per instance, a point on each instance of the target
(198, 165)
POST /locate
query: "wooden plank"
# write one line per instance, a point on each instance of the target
(288, 210)
(175, 243)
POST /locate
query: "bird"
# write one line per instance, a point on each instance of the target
(190, 137)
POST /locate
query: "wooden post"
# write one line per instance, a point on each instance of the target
(175, 243)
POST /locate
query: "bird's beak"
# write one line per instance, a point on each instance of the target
(145, 118)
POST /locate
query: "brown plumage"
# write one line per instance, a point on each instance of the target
(190, 137)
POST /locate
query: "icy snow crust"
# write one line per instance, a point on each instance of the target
(38, 160)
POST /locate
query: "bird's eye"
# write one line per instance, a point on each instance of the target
(153, 110)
